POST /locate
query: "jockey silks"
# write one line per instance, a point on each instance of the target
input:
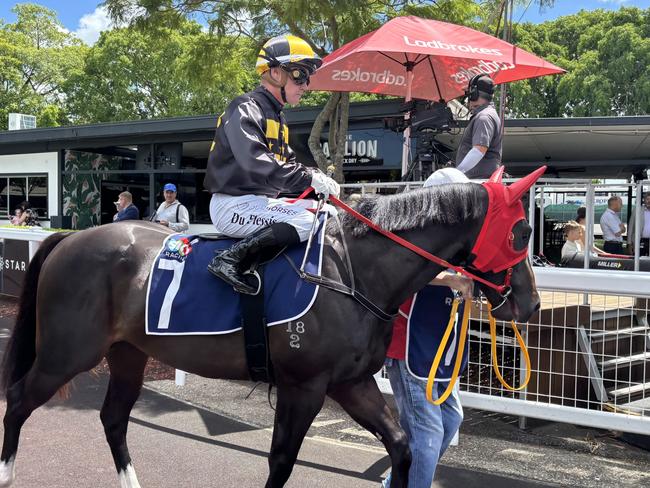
(250, 154)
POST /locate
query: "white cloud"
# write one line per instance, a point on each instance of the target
(90, 25)
(616, 2)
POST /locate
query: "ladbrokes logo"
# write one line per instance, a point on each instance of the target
(482, 67)
(384, 77)
(463, 48)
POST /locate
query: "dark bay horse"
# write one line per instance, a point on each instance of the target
(84, 299)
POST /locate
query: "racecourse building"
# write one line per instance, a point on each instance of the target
(78, 171)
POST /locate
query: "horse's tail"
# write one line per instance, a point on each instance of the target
(21, 349)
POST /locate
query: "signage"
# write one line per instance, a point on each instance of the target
(14, 258)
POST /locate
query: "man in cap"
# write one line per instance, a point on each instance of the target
(250, 163)
(171, 212)
(479, 151)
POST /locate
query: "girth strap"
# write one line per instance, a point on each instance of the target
(256, 336)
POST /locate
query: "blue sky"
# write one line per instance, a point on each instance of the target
(87, 19)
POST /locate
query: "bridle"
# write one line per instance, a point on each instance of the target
(504, 290)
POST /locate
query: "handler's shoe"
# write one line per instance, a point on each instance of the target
(227, 263)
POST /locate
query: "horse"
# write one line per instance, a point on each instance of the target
(84, 300)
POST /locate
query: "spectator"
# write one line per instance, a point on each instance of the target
(612, 227)
(125, 208)
(28, 216)
(17, 217)
(573, 246)
(171, 212)
(645, 228)
(581, 216)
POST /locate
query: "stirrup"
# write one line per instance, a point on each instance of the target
(247, 291)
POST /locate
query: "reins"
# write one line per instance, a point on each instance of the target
(461, 349)
(504, 290)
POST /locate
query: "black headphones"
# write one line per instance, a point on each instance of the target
(472, 91)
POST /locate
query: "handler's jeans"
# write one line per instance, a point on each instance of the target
(241, 216)
(429, 428)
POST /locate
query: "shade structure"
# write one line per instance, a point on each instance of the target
(440, 57)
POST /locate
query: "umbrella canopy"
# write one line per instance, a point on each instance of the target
(419, 58)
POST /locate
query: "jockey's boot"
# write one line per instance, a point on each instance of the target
(227, 263)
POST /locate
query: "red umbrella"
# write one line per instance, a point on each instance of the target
(433, 59)
(412, 57)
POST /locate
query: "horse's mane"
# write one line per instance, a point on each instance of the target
(445, 204)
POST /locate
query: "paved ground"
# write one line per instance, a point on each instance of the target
(208, 434)
(493, 451)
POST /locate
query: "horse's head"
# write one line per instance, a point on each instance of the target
(500, 251)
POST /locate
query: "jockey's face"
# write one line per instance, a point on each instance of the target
(294, 91)
(170, 196)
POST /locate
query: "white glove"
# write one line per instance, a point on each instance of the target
(324, 184)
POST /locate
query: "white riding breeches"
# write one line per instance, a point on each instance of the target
(241, 216)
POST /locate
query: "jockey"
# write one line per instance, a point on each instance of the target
(251, 163)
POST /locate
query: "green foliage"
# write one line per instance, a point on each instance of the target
(36, 57)
(607, 58)
(162, 72)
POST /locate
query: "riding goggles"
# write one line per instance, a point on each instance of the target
(298, 74)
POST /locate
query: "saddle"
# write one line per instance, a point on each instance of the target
(183, 298)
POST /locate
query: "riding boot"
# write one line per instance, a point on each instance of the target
(227, 263)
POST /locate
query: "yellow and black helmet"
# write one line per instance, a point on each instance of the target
(287, 51)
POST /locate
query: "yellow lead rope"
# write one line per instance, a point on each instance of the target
(461, 348)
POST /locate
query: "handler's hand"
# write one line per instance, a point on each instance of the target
(463, 285)
(164, 222)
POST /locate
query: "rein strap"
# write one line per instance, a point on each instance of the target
(416, 249)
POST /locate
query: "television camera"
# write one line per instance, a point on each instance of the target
(427, 119)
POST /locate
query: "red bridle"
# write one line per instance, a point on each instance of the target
(503, 290)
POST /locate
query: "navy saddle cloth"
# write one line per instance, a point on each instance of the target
(183, 298)
(427, 322)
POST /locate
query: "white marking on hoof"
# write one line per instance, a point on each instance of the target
(7, 472)
(128, 479)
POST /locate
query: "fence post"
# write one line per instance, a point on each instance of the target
(638, 214)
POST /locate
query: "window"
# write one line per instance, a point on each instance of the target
(15, 190)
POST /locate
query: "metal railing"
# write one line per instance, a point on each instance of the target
(589, 344)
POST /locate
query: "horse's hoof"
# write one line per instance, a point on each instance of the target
(7, 472)
(128, 479)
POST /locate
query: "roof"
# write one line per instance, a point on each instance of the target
(577, 147)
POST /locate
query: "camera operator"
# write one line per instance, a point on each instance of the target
(479, 151)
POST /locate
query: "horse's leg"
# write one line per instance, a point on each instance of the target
(366, 405)
(295, 411)
(127, 365)
(23, 397)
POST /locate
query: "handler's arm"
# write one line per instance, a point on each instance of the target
(460, 283)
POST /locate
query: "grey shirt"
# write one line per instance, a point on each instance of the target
(483, 129)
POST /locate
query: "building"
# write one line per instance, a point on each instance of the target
(78, 171)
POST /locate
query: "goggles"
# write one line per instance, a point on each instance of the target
(298, 74)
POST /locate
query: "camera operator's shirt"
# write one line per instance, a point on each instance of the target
(483, 129)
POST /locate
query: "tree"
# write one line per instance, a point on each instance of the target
(324, 24)
(607, 58)
(36, 56)
(134, 74)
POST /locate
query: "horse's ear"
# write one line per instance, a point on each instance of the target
(497, 176)
(515, 191)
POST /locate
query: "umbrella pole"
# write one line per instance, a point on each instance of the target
(407, 116)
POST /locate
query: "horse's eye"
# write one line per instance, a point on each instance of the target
(521, 232)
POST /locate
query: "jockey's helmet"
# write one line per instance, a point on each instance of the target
(293, 54)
